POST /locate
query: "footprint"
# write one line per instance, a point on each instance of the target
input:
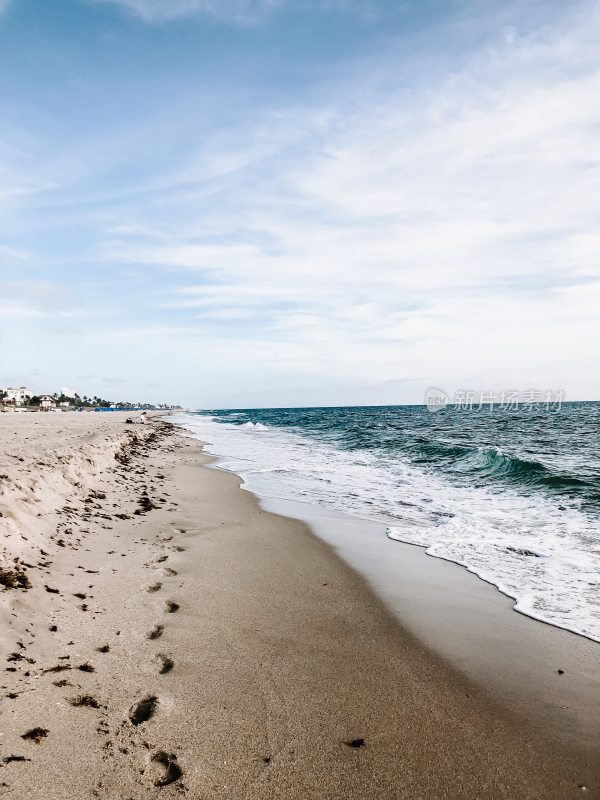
(155, 587)
(144, 710)
(164, 663)
(171, 607)
(164, 768)
(170, 572)
(156, 632)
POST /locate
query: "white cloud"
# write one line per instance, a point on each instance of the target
(451, 230)
(236, 11)
(43, 293)
(19, 311)
(443, 229)
(241, 11)
(40, 299)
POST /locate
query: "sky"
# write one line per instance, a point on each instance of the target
(241, 203)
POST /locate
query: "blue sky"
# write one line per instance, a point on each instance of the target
(266, 202)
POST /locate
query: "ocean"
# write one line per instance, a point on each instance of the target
(512, 494)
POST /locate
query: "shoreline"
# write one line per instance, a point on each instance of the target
(517, 528)
(244, 659)
(333, 513)
(471, 624)
(516, 662)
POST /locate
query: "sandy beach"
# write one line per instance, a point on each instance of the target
(164, 636)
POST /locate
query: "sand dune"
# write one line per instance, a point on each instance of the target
(45, 462)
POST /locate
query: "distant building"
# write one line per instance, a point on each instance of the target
(17, 397)
(66, 392)
(47, 402)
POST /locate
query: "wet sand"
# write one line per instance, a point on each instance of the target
(546, 676)
(177, 640)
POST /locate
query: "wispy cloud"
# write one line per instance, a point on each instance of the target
(235, 11)
(433, 215)
(241, 11)
(396, 229)
(33, 299)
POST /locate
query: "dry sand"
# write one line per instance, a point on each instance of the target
(176, 640)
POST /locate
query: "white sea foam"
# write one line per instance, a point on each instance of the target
(545, 556)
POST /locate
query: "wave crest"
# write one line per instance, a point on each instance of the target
(493, 462)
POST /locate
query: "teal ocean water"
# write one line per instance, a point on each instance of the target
(511, 494)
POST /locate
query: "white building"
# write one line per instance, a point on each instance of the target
(47, 402)
(17, 397)
(66, 392)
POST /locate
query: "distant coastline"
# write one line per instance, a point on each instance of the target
(24, 399)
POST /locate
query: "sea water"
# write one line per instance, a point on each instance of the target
(511, 494)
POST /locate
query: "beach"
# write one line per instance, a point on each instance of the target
(163, 636)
